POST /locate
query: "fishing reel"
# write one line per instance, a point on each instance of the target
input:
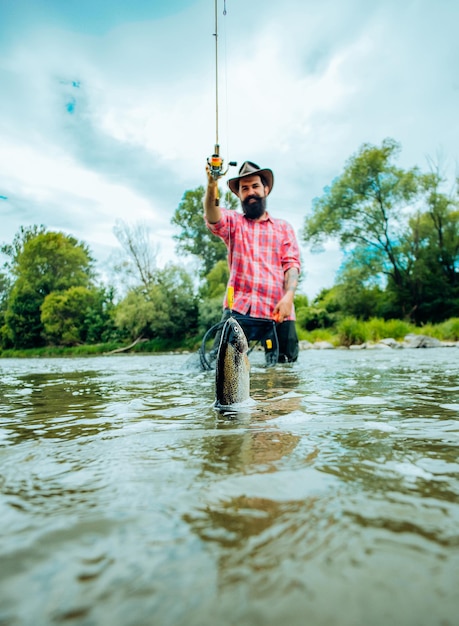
(215, 163)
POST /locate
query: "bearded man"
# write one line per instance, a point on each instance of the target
(263, 255)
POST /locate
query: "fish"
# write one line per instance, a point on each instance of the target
(232, 369)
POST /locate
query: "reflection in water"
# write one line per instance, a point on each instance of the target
(126, 498)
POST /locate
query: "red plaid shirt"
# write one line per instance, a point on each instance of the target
(259, 254)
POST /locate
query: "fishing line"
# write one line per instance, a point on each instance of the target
(225, 38)
(215, 161)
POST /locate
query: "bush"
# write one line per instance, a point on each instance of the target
(210, 313)
(311, 318)
(450, 329)
(446, 331)
(351, 331)
(378, 328)
(318, 334)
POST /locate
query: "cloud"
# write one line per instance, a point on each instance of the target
(108, 111)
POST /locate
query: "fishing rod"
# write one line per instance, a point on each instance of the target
(215, 161)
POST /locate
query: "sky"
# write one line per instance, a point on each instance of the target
(107, 107)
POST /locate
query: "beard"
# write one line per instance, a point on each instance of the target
(253, 207)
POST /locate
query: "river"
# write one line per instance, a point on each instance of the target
(332, 499)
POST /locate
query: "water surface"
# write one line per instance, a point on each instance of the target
(126, 498)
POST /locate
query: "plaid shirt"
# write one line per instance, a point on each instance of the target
(259, 254)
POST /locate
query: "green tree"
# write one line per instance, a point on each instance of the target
(194, 237)
(400, 234)
(99, 323)
(435, 233)
(63, 314)
(216, 281)
(168, 309)
(364, 209)
(135, 315)
(41, 262)
(15, 248)
(5, 287)
(23, 327)
(53, 261)
(77, 315)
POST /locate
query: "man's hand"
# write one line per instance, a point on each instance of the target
(284, 307)
(210, 178)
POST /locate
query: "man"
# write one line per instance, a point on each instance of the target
(263, 254)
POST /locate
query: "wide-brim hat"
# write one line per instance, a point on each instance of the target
(251, 169)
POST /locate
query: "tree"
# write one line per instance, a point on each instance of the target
(195, 238)
(41, 262)
(14, 249)
(63, 314)
(216, 281)
(52, 261)
(168, 309)
(23, 327)
(5, 287)
(356, 294)
(77, 315)
(399, 231)
(140, 255)
(364, 208)
(437, 232)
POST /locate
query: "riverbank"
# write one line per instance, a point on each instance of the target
(349, 333)
(411, 341)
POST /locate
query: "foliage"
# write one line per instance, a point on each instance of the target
(449, 330)
(77, 315)
(311, 318)
(216, 281)
(351, 331)
(377, 329)
(209, 313)
(39, 263)
(318, 334)
(63, 313)
(20, 239)
(5, 287)
(167, 309)
(53, 261)
(23, 327)
(135, 315)
(354, 331)
(401, 237)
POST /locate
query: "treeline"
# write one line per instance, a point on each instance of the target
(400, 233)
(50, 294)
(399, 230)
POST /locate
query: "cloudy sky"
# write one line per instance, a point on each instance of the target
(107, 107)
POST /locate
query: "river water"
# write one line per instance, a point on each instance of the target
(332, 499)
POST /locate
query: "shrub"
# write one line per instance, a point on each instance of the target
(351, 331)
(378, 328)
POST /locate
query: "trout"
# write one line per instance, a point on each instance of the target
(232, 367)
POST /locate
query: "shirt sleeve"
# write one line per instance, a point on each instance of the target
(222, 227)
(291, 250)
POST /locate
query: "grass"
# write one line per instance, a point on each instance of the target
(352, 331)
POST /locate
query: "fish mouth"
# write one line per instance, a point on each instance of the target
(233, 335)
